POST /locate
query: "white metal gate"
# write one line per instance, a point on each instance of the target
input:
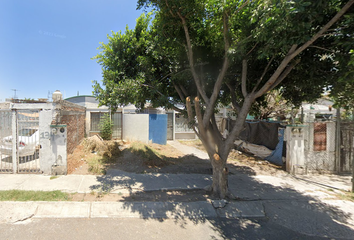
(19, 135)
(170, 126)
(5, 132)
(117, 125)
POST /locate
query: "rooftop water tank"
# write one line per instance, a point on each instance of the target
(57, 96)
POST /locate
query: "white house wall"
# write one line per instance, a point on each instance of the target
(136, 127)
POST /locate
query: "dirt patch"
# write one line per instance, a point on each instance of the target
(243, 162)
(193, 143)
(91, 156)
(77, 159)
(166, 159)
(142, 158)
(151, 196)
(246, 162)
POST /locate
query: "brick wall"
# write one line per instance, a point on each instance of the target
(73, 116)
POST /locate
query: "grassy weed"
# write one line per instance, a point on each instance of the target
(96, 164)
(21, 195)
(349, 196)
(151, 156)
(106, 154)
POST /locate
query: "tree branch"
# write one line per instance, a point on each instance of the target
(244, 78)
(263, 74)
(233, 98)
(294, 51)
(243, 5)
(239, 124)
(277, 72)
(177, 109)
(169, 8)
(252, 49)
(189, 109)
(191, 60)
(216, 90)
(183, 90)
(196, 132)
(284, 74)
(215, 128)
(173, 103)
(321, 48)
(178, 90)
(324, 29)
(198, 113)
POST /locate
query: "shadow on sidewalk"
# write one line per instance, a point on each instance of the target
(287, 211)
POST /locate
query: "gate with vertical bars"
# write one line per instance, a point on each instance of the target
(19, 141)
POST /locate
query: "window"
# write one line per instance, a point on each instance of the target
(95, 121)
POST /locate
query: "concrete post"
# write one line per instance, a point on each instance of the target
(14, 141)
(338, 144)
(174, 124)
(353, 172)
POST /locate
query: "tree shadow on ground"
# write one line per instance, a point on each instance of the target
(288, 213)
(147, 161)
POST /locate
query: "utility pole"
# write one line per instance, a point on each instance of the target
(15, 90)
(49, 96)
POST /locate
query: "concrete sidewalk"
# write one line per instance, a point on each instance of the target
(114, 181)
(188, 150)
(13, 212)
(118, 182)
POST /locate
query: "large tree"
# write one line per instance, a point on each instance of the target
(199, 53)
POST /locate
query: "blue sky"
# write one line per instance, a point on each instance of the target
(47, 45)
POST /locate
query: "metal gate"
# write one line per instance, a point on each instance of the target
(158, 128)
(19, 148)
(170, 126)
(117, 125)
(347, 147)
(5, 133)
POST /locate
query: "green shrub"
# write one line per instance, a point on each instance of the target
(106, 127)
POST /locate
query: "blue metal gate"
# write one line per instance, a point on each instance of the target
(158, 128)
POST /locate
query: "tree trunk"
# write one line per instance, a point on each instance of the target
(219, 157)
(220, 188)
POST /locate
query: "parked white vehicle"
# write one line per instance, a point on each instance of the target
(28, 142)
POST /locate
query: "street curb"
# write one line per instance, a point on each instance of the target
(18, 211)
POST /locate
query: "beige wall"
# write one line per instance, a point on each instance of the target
(136, 127)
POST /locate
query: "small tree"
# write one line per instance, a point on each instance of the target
(199, 53)
(273, 105)
(106, 127)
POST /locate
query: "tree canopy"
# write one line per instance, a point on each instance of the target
(200, 53)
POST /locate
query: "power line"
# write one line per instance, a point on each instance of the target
(15, 90)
